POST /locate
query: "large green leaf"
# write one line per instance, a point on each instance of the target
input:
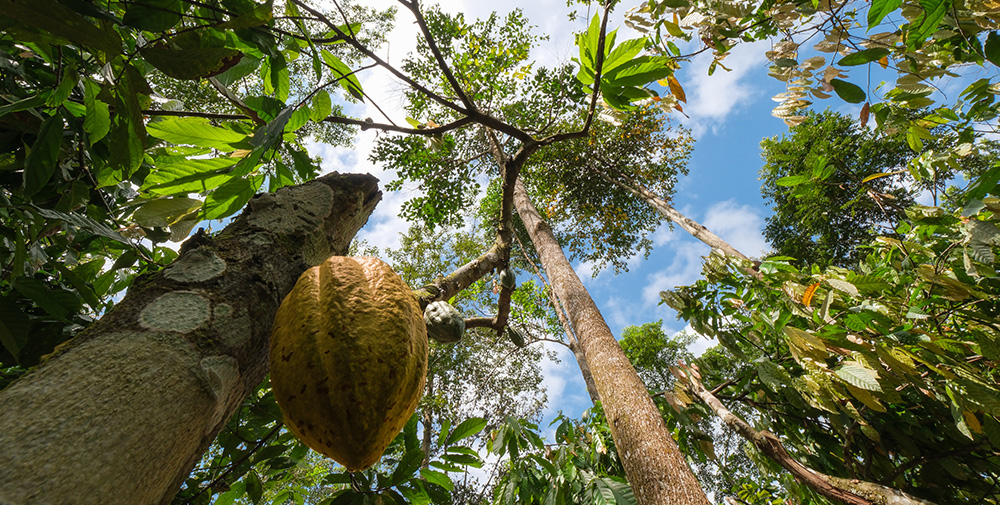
(466, 429)
(344, 74)
(927, 23)
(56, 301)
(197, 132)
(863, 56)
(153, 15)
(54, 17)
(189, 176)
(98, 120)
(196, 63)
(639, 72)
(848, 92)
(230, 197)
(82, 222)
(879, 9)
(164, 211)
(858, 376)
(41, 161)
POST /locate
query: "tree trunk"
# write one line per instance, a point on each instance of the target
(588, 377)
(653, 463)
(696, 229)
(122, 413)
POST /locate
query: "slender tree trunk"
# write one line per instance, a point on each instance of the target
(654, 465)
(696, 229)
(121, 413)
(836, 489)
(428, 422)
(588, 377)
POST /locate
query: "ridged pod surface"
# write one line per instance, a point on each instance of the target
(348, 358)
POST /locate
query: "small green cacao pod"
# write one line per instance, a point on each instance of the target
(444, 323)
(507, 279)
(515, 337)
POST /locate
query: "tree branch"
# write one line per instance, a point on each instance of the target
(436, 51)
(840, 490)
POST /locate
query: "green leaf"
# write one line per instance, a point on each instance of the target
(863, 56)
(992, 48)
(848, 92)
(164, 211)
(82, 222)
(197, 132)
(54, 17)
(255, 489)
(466, 429)
(276, 80)
(622, 54)
(792, 180)
(58, 302)
(25, 104)
(98, 120)
(463, 459)
(639, 72)
(858, 376)
(41, 161)
(258, 16)
(190, 64)
(344, 74)
(190, 176)
(408, 465)
(879, 9)
(928, 21)
(436, 477)
(153, 15)
(80, 285)
(14, 326)
(321, 106)
(62, 92)
(230, 197)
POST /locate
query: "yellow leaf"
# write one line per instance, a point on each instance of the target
(808, 295)
(240, 153)
(972, 422)
(884, 61)
(676, 89)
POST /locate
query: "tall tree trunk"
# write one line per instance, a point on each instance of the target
(121, 413)
(588, 377)
(696, 229)
(653, 463)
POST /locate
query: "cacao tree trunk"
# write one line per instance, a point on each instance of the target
(654, 465)
(121, 413)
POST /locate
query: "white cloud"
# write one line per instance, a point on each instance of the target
(685, 269)
(740, 225)
(712, 99)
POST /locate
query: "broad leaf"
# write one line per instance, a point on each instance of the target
(848, 92)
(466, 429)
(197, 132)
(196, 63)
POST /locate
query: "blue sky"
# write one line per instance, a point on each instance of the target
(729, 115)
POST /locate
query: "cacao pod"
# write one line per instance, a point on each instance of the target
(348, 358)
(444, 323)
(507, 279)
(515, 337)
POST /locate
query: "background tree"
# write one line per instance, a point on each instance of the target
(823, 184)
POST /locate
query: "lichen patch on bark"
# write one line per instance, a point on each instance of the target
(179, 311)
(198, 265)
(288, 212)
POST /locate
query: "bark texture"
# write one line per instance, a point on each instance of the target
(121, 413)
(836, 489)
(655, 467)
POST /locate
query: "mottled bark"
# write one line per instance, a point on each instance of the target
(121, 413)
(839, 490)
(654, 465)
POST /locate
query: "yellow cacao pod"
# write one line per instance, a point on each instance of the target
(348, 358)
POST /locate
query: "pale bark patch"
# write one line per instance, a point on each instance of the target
(179, 311)
(199, 265)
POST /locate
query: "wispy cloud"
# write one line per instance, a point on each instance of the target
(740, 225)
(712, 99)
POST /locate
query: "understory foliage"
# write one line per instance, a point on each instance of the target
(884, 372)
